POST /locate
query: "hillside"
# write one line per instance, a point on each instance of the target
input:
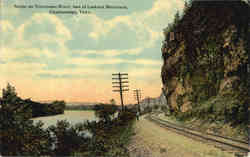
(206, 61)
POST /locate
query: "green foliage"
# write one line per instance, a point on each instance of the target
(57, 107)
(79, 107)
(44, 109)
(18, 134)
(110, 139)
(11, 102)
(146, 110)
(20, 137)
(68, 139)
(156, 107)
(179, 101)
(176, 18)
(228, 109)
(105, 111)
(127, 116)
(171, 26)
(9, 95)
(186, 7)
(23, 138)
(164, 108)
(216, 50)
(112, 102)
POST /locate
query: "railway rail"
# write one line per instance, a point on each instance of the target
(210, 134)
(239, 147)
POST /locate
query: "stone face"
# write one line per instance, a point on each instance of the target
(200, 66)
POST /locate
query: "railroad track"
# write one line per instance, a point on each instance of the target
(210, 134)
(240, 148)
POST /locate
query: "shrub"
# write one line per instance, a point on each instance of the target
(68, 139)
(105, 111)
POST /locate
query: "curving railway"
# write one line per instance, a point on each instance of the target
(239, 147)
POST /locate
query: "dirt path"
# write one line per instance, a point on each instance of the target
(153, 141)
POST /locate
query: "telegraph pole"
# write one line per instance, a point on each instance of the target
(137, 95)
(149, 101)
(120, 84)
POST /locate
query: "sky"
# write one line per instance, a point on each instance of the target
(72, 57)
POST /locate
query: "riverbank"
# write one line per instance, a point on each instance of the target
(62, 136)
(80, 107)
(110, 138)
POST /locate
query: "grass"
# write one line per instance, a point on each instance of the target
(216, 127)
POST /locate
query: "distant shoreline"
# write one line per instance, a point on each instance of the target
(79, 107)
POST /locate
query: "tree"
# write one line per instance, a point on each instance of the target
(177, 18)
(105, 111)
(186, 7)
(9, 94)
(17, 131)
(57, 107)
(12, 104)
(112, 102)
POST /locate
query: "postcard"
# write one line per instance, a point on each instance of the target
(123, 78)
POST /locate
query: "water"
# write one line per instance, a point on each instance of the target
(73, 117)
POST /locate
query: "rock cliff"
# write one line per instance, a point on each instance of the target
(206, 55)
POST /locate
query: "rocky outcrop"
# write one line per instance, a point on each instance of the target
(208, 59)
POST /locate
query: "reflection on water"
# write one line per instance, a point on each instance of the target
(73, 117)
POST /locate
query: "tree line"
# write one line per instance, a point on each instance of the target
(20, 136)
(11, 102)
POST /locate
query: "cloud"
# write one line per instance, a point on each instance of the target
(6, 26)
(146, 62)
(100, 69)
(55, 76)
(139, 29)
(39, 39)
(9, 54)
(20, 70)
(52, 20)
(42, 29)
(117, 27)
(140, 20)
(79, 72)
(110, 53)
(111, 60)
(103, 27)
(52, 50)
(87, 61)
(8, 10)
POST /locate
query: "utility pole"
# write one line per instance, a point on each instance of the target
(148, 101)
(137, 95)
(120, 84)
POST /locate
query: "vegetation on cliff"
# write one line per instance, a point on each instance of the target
(206, 56)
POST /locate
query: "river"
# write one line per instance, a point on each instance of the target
(72, 117)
